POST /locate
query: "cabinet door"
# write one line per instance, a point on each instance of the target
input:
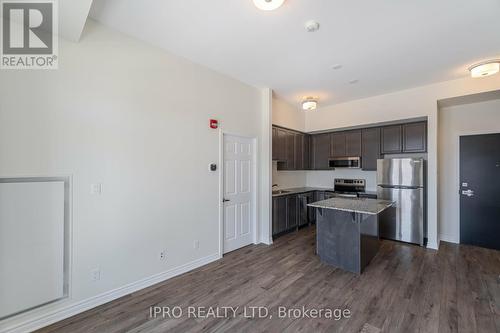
(311, 211)
(275, 216)
(292, 212)
(281, 144)
(415, 138)
(307, 152)
(275, 143)
(319, 195)
(299, 151)
(370, 148)
(290, 150)
(320, 146)
(353, 143)
(392, 139)
(303, 217)
(338, 144)
(279, 215)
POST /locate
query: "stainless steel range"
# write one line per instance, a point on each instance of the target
(349, 188)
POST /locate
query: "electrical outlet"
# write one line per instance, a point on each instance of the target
(196, 244)
(163, 255)
(95, 275)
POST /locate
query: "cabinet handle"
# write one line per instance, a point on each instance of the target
(225, 200)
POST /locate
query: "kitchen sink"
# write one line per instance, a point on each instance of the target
(280, 192)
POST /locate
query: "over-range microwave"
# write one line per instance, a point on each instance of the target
(345, 162)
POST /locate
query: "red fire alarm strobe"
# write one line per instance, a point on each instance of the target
(214, 123)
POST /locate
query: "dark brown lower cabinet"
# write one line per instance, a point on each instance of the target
(292, 212)
(279, 215)
(287, 213)
(307, 215)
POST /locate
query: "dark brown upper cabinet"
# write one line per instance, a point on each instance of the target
(307, 152)
(275, 144)
(353, 143)
(299, 151)
(370, 138)
(392, 142)
(281, 144)
(415, 138)
(338, 144)
(346, 144)
(290, 151)
(320, 151)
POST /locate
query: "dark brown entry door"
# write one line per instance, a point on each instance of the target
(480, 190)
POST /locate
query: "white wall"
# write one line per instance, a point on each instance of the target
(287, 115)
(412, 103)
(134, 118)
(454, 121)
(288, 179)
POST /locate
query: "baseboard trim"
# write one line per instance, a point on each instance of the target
(90, 303)
(449, 239)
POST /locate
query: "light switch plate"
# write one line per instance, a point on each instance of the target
(96, 189)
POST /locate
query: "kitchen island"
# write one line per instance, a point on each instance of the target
(347, 231)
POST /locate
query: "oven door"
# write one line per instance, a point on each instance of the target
(345, 162)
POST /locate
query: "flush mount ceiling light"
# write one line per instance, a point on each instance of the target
(485, 68)
(268, 4)
(309, 104)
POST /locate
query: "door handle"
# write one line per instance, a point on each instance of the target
(225, 200)
(469, 193)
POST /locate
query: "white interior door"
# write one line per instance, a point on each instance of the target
(238, 192)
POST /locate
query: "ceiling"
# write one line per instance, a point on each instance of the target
(387, 45)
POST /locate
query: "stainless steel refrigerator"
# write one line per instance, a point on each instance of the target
(403, 180)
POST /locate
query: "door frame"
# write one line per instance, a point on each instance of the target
(255, 187)
(457, 192)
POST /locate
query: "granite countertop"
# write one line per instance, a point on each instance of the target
(354, 205)
(297, 190)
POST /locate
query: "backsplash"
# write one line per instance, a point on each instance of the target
(288, 179)
(325, 178)
(317, 178)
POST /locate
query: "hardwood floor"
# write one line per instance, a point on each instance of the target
(404, 289)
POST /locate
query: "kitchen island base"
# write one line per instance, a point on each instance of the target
(347, 240)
